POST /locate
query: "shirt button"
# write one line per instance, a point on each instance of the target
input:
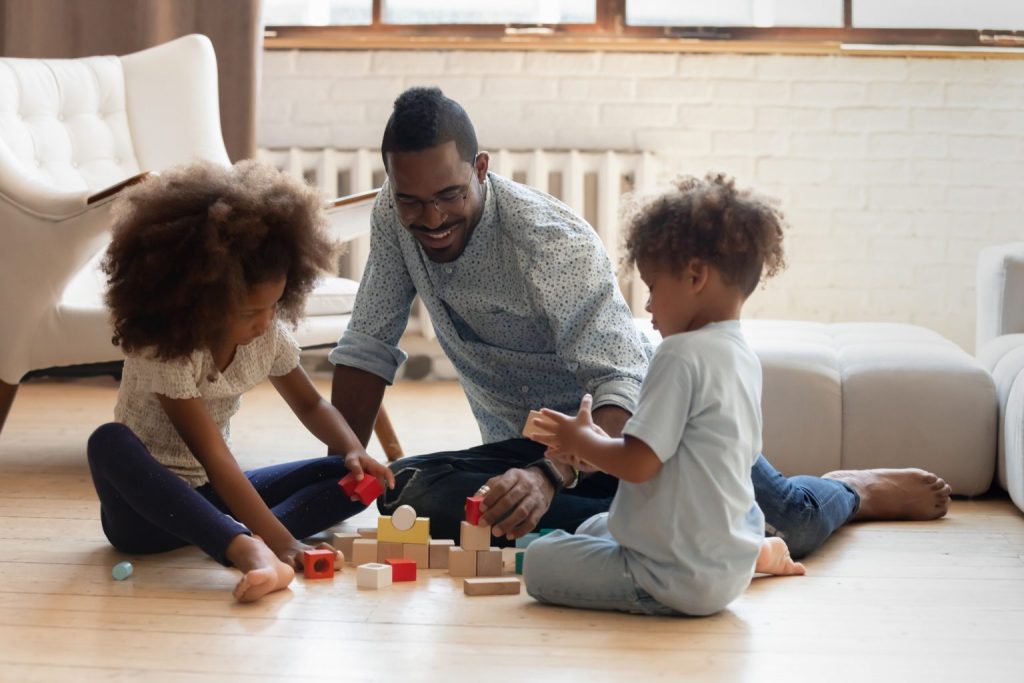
(524, 388)
(448, 270)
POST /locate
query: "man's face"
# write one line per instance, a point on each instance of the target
(439, 197)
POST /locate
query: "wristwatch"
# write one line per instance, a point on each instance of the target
(551, 473)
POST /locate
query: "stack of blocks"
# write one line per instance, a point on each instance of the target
(474, 555)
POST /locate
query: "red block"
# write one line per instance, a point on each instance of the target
(402, 569)
(367, 490)
(318, 563)
(473, 509)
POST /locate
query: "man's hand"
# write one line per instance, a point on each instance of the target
(516, 501)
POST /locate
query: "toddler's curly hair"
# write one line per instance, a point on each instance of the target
(188, 244)
(736, 231)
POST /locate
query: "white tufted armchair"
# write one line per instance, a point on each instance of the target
(73, 132)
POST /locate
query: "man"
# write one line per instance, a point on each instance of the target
(525, 304)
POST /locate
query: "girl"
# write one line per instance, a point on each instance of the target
(683, 534)
(206, 265)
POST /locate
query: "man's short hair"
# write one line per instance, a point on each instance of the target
(423, 118)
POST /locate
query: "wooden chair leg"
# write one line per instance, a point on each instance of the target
(386, 435)
(7, 392)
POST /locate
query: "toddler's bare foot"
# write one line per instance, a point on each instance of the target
(897, 494)
(774, 559)
(262, 572)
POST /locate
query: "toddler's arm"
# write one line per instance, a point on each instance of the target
(570, 438)
(327, 424)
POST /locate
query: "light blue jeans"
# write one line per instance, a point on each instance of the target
(588, 570)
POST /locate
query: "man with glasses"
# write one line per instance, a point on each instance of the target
(526, 306)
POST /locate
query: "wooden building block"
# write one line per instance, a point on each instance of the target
(343, 541)
(473, 508)
(520, 557)
(488, 562)
(387, 550)
(418, 533)
(472, 537)
(461, 562)
(506, 585)
(373, 575)
(508, 559)
(364, 551)
(367, 532)
(418, 553)
(529, 429)
(366, 490)
(402, 569)
(439, 552)
(318, 563)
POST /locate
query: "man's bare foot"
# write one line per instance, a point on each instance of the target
(897, 494)
(262, 572)
(774, 559)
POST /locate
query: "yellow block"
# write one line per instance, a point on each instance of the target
(419, 533)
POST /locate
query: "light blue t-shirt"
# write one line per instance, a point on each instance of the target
(691, 534)
(529, 314)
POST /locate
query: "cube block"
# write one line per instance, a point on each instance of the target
(472, 537)
(373, 575)
(402, 569)
(318, 563)
(461, 562)
(364, 551)
(420, 554)
(438, 549)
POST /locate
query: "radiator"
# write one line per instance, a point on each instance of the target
(592, 183)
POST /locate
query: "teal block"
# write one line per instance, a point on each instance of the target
(519, 562)
(121, 571)
(545, 532)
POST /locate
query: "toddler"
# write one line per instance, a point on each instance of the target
(683, 534)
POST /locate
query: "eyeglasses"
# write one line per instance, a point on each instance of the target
(447, 203)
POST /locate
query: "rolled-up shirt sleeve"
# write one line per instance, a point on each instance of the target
(383, 302)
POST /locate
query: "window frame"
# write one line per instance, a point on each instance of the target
(609, 33)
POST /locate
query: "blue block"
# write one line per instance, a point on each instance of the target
(122, 570)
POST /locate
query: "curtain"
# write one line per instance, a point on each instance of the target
(82, 28)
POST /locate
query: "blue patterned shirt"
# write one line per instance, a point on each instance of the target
(529, 314)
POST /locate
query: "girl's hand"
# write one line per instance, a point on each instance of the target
(360, 464)
(292, 555)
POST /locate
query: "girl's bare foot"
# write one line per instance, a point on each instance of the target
(774, 559)
(897, 494)
(262, 572)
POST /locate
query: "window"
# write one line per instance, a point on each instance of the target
(749, 25)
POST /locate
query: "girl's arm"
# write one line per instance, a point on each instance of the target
(325, 423)
(569, 438)
(202, 435)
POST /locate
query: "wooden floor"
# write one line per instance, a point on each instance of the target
(940, 601)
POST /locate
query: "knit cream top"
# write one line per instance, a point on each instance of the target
(274, 353)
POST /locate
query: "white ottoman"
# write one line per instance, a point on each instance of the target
(863, 395)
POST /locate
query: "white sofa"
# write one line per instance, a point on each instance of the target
(1000, 349)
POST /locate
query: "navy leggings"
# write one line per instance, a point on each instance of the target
(146, 508)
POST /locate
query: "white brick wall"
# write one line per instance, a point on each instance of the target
(893, 172)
